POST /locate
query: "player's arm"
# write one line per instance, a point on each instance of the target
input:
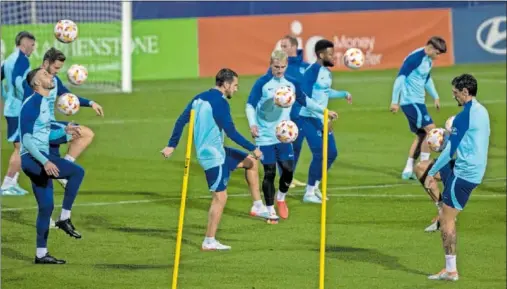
(253, 100)
(430, 87)
(338, 94)
(28, 116)
(19, 73)
(306, 101)
(182, 120)
(223, 118)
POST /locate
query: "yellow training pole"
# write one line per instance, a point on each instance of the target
(325, 136)
(188, 153)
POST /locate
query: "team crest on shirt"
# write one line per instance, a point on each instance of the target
(427, 117)
(319, 133)
(454, 130)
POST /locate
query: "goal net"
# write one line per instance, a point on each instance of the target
(99, 46)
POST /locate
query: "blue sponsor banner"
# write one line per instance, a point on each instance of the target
(480, 34)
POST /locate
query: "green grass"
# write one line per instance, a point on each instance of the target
(375, 235)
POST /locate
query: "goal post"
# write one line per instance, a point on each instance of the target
(103, 46)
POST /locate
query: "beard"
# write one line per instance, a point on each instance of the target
(51, 86)
(327, 63)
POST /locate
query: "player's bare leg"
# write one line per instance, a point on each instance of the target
(252, 179)
(10, 185)
(215, 214)
(448, 230)
(421, 171)
(77, 146)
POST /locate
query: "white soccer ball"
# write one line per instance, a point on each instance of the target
(77, 74)
(448, 123)
(436, 139)
(66, 31)
(68, 104)
(285, 96)
(287, 131)
(353, 58)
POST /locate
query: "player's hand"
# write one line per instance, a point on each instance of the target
(394, 108)
(254, 130)
(332, 115)
(330, 126)
(430, 182)
(349, 98)
(98, 109)
(257, 153)
(437, 104)
(51, 169)
(167, 152)
(73, 129)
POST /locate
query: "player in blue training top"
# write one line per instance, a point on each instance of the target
(409, 92)
(263, 117)
(40, 166)
(317, 82)
(82, 137)
(14, 71)
(212, 119)
(469, 140)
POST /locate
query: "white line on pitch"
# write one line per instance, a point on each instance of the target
(298, 192)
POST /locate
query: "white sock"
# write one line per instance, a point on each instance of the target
(15, 179)
(271, 209)
(280, 196)
(424, 156)
(450, 263)
(41, 252)
(69, 158)
(410, 164)
(258, 204)
(65, 214)
(209, 240)
(8, 182)
(310, 190)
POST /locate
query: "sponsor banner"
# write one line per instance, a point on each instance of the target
(480, 34)
(386, 38)
(161, 49)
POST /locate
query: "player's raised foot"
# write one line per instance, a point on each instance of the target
(67, 227)
(292, 185)
(63, 182)
(435, 226)
(283, 210)
(312, 199)
(318, 193)
(20, 190)
(261, 212)
(48, 259)
(10, 192)
(408, 175)
(297, 183)
(214, 246)
(444, 275)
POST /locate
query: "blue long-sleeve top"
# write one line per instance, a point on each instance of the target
(14, 71)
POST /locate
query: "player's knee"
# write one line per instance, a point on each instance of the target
(86, 132)
(46, 207)
(250, 163)
(317, 156)
(287, 167)
(80, 172)
(421, 134)
(421, 167)
(332, 155)
(220, 197)
(269, 173)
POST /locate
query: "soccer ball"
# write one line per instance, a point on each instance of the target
(68, 104)
(284, 96)
(66, 31)
(436, 139)
(77, 74)
(448, 123)
(287, 131)
(353, 58)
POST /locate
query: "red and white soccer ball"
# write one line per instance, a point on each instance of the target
(448, 123)
(436, 139)
(68, 104)
(66, 31)
(353, 58)
(77, 74)
(285, 96)
(287, 131)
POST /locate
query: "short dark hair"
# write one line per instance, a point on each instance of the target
(23, 34)
(439, 43)
(225, 75)
(293, 40)
(31, 76)
(53, 55)
(466, 81)
(322, 45)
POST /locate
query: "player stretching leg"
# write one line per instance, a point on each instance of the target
(414, 77)
(263, 117)
(317, 83)
(470, 141)
(14, 71)
(212, 118)
(41, 167)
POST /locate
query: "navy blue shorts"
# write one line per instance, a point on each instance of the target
(278, 152)
(218, 177)
(13, 134)
(456, 190)
(417, 116)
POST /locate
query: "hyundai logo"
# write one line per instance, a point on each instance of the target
(489, 36)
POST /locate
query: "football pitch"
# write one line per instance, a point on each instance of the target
(127, 208)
